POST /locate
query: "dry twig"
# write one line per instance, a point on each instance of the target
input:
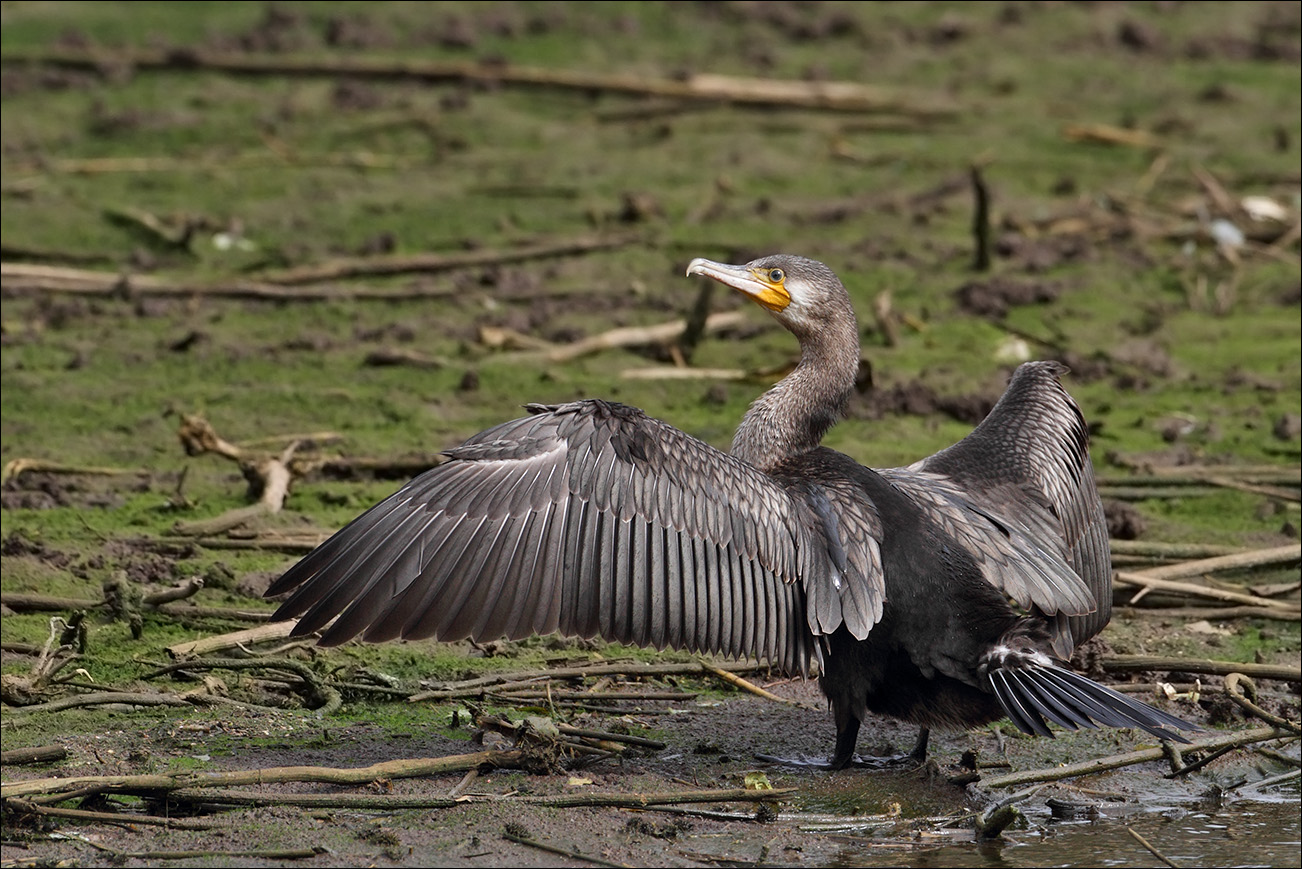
(841, 96)
(1133, 663)
(734, 679)
(1103, 764)
(1232, 682)
(1156, 853)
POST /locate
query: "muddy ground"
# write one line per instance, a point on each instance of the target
(851, 817)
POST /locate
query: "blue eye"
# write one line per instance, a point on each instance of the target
(776, 276)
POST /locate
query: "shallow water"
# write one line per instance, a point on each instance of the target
(1239, 833)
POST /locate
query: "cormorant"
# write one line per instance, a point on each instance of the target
(946, 593)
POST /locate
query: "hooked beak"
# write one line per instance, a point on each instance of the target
(755, 283)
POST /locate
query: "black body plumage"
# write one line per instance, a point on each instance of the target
(947, 593)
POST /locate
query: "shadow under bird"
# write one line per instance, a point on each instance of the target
(948, 593)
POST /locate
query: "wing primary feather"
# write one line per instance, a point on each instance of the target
(501, 580)
(476, 586)
(376, 600)
(1025, 719)
(335, 581)
(608, 558)
(539, 567)
(1118, 710)
(1046, 703)
(423, 607)
(551, 563)
(520, 583)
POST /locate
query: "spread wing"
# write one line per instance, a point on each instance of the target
(588, 518)
(1027, 465)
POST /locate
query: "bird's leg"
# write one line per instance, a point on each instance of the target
(919, 753)
(847, 734)
(916, 757)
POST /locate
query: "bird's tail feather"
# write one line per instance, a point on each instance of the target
(1032, 694)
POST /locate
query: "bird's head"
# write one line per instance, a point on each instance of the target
(800, 293)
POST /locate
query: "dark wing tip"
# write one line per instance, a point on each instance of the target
(1029, 695)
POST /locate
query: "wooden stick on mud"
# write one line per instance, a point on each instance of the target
(634, 336)
(1133, 663)
(291, 284)
(391, 802)
(35, 754)
(373, 266)
(268, 476)
(1232, 683)
(23, 602)
(673, 372)
(1108, 134)
(18, 467)
(1195, 612)
(477, 686)
(841, 96)
(164, 782)
(1147, 845)
(1103, 764)
(734, 679)
(234, 640)
(556, 849)
(1162, 578)
(1167, 551)
(125, 818)
(1236, 561)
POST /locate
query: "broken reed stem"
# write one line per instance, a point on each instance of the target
(1103, 764)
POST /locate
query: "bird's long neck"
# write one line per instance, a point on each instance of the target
(792, 417)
